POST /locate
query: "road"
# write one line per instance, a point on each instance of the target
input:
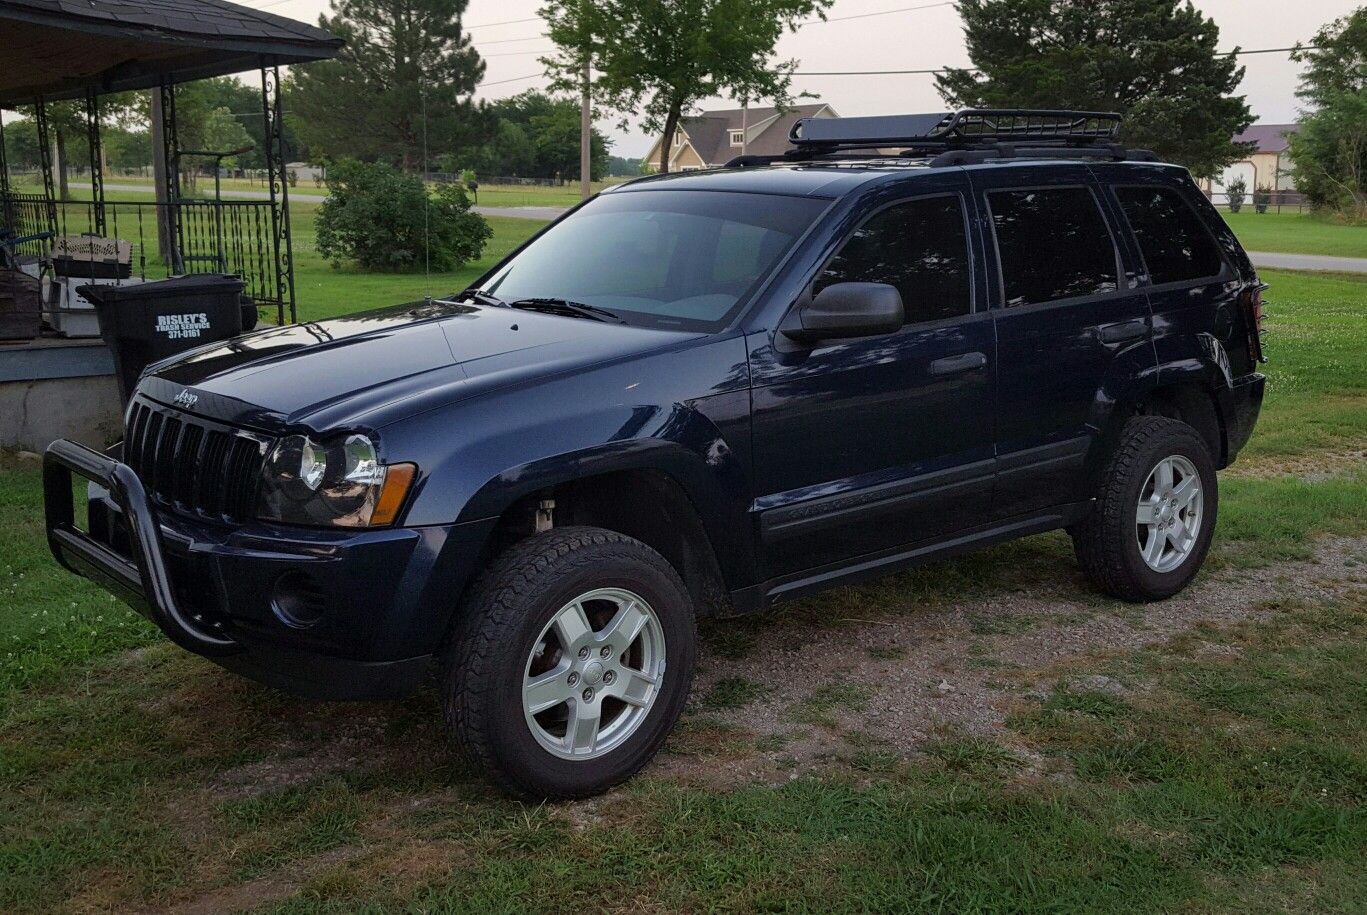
(1276, 260)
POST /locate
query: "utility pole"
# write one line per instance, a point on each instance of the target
(585, 136)
(744, 126)
(586, 101)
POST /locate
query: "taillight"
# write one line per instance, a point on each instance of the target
(1253, 320)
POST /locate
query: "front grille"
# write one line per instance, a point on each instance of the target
(208, 470)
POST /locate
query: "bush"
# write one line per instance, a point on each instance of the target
(374, 215)
(1261, 198)
(1234, 192)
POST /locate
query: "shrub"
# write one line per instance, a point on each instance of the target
(374, 215)
(1234, 192)
(1261, 198)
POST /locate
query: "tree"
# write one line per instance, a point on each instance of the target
(1235, 191)
(1330, 148)
(405, 76)
(386, 220)
(537, 137)
(1153, 61)
(657, 58)
(623, 166)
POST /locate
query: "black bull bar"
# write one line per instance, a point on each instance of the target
(142, 581)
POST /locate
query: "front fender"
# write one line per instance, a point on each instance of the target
(480, 456)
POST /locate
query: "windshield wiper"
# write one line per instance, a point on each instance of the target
(566, 307)
(482, 297)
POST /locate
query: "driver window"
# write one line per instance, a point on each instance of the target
(920, 247)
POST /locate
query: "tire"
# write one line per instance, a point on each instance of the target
(1118, 553)
(518, 628)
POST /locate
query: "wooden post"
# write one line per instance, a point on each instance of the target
(164, 232)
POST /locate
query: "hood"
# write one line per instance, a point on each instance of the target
(372, 368)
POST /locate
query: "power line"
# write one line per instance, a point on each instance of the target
(903, 9)
(900, 9)
(933, 70)
(515, 79)
(490, 25)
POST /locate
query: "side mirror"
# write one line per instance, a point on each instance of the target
(846, 310)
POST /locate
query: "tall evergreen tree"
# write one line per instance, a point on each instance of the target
(408, 69)
(1154, 61)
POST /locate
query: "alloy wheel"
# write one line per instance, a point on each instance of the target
(1168, 517)
(594, 673)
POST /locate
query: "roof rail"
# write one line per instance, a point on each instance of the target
(965, 127)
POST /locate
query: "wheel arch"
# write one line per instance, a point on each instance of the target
(655, 491)
(1192, 389)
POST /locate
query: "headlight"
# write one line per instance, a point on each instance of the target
(337, 482)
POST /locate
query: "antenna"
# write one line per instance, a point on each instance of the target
(426, 200)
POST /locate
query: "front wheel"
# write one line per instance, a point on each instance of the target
(1154, 517)
(571, 663)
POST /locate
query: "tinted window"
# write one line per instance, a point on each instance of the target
(1053, 244)
(679, 258)
(919, 247)
(1176, 246)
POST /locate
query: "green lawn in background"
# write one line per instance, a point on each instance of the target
(493, 195)
(1297, 233)
(323, 290)
(1235, 780)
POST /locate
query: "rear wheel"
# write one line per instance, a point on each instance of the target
(572, 662)
(1151, 527)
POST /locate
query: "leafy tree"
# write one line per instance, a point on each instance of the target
(538, 137)
(657, 58)
(1154, 61)
(405, 62)
(1330, 149)
(386, 220)
(623, 166)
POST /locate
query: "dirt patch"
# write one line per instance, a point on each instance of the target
(1312, 468)
(278, 886)
(900, 683)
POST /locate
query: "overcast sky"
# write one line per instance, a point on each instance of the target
(918, 38)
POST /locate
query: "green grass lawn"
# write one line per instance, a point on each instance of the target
(493, 195)
(323, 290)
(1297, 233)
(135, 776)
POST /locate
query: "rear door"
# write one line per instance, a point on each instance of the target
(863, 445)
(1192, 289)
(1066, 307)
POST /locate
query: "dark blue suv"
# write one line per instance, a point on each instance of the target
(696, 394)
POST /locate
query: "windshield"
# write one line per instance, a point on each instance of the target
(671, 258)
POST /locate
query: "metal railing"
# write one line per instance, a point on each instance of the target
(1277, 202)
(188, 236)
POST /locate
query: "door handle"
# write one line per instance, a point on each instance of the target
(953, 365)
(1125, 330)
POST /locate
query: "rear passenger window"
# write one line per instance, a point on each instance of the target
(921, 248)
(1175, 244)
(1053, 244)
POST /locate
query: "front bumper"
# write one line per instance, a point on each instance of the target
(383, 598)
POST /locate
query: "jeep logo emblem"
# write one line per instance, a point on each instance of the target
(186, 399)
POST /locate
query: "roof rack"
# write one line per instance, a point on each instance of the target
(958, 137)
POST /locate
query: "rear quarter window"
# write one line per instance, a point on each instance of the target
(1175, 243)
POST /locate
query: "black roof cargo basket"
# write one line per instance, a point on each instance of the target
(958, 137)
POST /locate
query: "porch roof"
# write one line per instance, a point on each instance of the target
(58, 49)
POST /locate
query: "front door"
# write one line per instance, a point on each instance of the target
(1066, 309)
(864, 445)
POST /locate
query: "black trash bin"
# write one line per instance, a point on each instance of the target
(144, 322)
